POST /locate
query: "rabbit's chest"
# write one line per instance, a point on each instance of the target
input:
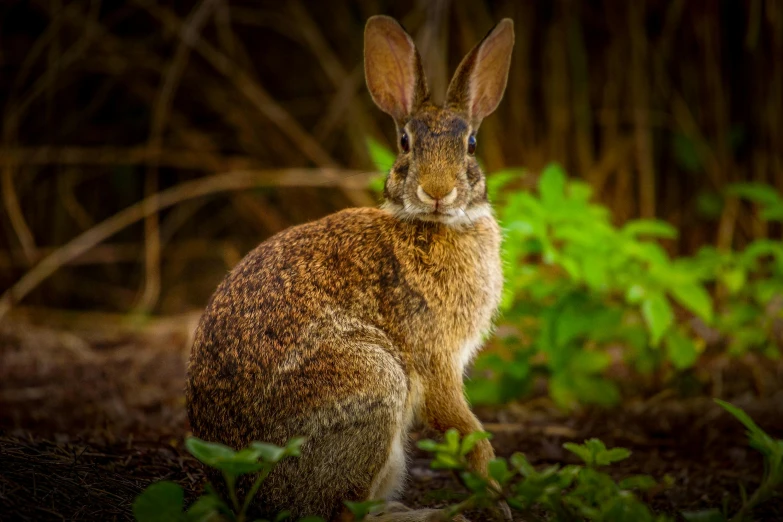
(473, 293)
(482, 299)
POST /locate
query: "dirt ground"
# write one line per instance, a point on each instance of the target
(92, 411)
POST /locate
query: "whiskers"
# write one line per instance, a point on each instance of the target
(466, 216)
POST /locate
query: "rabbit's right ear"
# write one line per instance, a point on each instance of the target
(478, 84)
(392, 67)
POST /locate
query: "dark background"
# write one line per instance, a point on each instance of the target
(237, 119)
(658, 105)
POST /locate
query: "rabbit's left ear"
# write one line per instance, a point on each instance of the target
(392, 67)
(478, 84)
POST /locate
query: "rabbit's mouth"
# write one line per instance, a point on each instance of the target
(448, 215)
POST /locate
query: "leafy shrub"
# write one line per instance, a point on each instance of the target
(164, 501)
(771, 482)
(566, 493)
(577, 284)
(584, 492)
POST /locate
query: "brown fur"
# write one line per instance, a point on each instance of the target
(351, 329)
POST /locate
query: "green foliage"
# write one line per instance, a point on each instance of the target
(360, 510)
(575, 492)
(771, 483)
(164, 501)
(594, 453)
(383, 159)
(764, 195)
(451, 453)
(577, 284)
(566, 493)
(160, 502)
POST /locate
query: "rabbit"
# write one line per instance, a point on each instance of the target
(356, 328)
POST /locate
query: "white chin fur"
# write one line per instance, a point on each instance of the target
(453, 218)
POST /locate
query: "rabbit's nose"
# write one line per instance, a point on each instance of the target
(436, 199)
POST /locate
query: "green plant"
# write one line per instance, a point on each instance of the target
(360, 510)
(772, 479)
(165, 500)
(567, 493)
(584, 492)
(576, 283)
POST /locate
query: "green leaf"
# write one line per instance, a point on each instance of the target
(695, 298)
(268, 452)
(635, 294)
(561, 389)
(470, 440)
(473, 482)
(680, 349)
(756, 192)
(580, 451)
(206, 508)
(594, 452)
(761, 248)
(382, 157)
(613, 455)
(733, 279)
(452, 441)
(592, 389)
(758, 437)
(282, 516)
(589, 362)
(522, 465)
(579, 191)
(498, 470)
(594, 270)
(650, 228)
(293, 447)
(551, 185)
(640, 482)
(446, 461)
(658, 315)
(210, 453)
(499, 179)
(160, 502)
(773, 213)
(428, 445)
(361, 509)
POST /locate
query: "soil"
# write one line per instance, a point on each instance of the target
(92, 411)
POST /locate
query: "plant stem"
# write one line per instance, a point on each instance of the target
(232, 492)
(763, 492)
(253, 490)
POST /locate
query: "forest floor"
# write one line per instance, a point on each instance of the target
(92, 411)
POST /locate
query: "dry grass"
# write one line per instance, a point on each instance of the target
(110, 106)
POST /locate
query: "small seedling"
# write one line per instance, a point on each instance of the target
(771, 483)
(164, 501)
(569, 493)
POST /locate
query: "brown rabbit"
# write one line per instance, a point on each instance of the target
(354, 328)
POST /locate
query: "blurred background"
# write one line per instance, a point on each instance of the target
(635, 165)
(657, 105)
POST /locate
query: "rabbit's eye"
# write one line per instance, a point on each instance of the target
(404, 143)
(471, 144)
